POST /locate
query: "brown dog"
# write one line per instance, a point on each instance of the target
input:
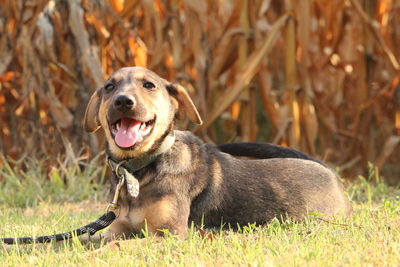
(175, 179)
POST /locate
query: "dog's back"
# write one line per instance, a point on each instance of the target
(265, 151)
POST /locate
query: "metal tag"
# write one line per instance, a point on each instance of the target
(132, 183)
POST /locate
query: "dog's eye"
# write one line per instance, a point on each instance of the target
(149, 85)
(109, 87)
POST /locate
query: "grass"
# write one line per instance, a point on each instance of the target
(36, 203)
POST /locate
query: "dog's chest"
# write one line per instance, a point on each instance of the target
(136, 217)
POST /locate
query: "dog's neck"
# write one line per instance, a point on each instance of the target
(134, 164)
(126, 168)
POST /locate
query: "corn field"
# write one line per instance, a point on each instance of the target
(320, 76)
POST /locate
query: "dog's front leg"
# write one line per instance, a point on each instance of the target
(170, 213)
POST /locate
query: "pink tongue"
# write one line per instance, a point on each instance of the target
(128, 133)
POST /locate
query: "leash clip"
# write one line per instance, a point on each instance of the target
(113, 206)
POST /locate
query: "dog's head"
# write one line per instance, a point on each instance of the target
(136, 108)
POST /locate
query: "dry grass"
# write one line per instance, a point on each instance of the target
(322, 76)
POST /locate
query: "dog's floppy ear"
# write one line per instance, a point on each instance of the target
(91, 122)
(185, 103)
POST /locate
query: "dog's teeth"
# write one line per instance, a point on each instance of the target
(117, 126)
(142, 126)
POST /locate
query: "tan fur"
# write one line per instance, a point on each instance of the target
(186, 104)
(91, 121)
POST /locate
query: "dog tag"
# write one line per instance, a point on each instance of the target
(132, 183)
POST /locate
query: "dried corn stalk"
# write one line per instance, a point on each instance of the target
(321, 76)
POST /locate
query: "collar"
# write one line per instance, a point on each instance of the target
(134, 164)
(125, 168)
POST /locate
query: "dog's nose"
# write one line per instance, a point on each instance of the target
(124, 102)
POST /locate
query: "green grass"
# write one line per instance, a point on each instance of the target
(37, 203)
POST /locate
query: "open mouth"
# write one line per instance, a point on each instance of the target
(127, 131)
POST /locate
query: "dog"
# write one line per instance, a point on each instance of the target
(175, 179)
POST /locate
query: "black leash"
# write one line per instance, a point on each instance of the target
(91, 228)
(112, 212)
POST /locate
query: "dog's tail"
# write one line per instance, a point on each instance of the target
(265, 151)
